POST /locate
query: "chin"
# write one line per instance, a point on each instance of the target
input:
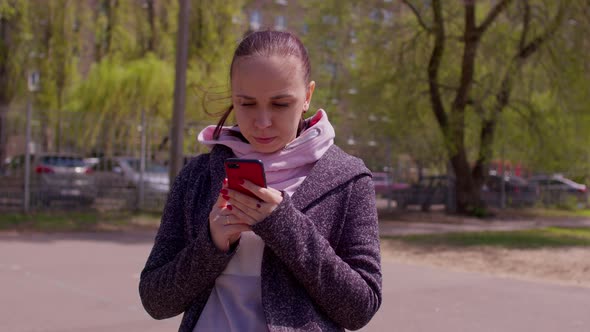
(266, 149)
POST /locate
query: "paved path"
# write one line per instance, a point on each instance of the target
(88, 283)
(419, 298)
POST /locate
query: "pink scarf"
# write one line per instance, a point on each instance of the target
(287, 168)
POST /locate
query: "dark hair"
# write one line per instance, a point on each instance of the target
(267, 43)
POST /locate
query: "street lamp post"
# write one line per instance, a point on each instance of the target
(33, 79)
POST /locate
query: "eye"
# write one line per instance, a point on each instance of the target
(280, 105)
(247, 104)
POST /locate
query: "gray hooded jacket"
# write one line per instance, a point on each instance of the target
(321, 263)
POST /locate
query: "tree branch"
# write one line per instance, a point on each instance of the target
(434, 66)
(471, 40)
(526, 20)
(418, 16)
(527, 50)
(494, 12)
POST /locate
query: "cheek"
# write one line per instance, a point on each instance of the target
(290, 123)
(241, 118)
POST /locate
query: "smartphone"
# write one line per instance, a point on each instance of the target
(252, 170)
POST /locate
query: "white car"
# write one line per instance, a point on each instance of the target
(125, 171)
(556, 188)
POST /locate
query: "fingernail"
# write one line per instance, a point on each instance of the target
(225, 197)
(229, 207)
(241, 181)
(225, 181)
(224, 191)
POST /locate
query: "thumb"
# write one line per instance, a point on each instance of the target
(221, 203)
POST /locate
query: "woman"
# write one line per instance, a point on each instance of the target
(303, 255)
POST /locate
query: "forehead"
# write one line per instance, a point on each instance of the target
(266, 74)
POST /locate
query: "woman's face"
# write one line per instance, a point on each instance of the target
(269, 95)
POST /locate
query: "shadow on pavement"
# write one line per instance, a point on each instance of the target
(121, 237)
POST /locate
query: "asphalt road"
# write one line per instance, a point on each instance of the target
(88, 282)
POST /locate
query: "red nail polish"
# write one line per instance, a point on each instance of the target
(224, 191)
(225, 181)
(229, 207)
(225, 197)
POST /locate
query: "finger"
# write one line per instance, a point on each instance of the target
(264, 194)
(245, 200)
(221, 202)
(239, 216)
(236, 229)
(233, 232)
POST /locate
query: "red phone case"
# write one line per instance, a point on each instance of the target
(252, 170)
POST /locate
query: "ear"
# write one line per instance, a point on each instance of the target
(308, 95)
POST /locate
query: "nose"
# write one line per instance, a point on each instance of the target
(263, 119)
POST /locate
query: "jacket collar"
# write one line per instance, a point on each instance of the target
(333, 169)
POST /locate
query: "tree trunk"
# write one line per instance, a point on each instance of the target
(468, 195)
(3, 135)
(4, 98)
(151, 11)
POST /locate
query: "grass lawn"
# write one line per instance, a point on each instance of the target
(76, 221)
(560, 213)
(523, 239)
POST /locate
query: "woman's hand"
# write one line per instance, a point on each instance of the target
(249, 210)
(223, 225)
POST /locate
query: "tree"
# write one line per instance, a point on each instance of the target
(115, 93)
(56, 44)
(14, 36)
(473, 90)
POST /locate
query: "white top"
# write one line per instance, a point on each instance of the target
(235, 304)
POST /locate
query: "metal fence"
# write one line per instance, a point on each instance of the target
(80, 162)
(439, 190)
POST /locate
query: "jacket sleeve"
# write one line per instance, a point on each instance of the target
(346, 282)
(179, 270)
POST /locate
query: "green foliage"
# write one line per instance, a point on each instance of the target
(110, 59)
(104, 62)
(526, 239)
(77, 221)
(116, 90)
(545, 125)
(14, 49)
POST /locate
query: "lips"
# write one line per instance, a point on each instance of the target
(264, 140)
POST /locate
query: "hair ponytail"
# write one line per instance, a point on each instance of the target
(221, 122)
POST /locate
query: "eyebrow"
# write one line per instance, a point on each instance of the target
(274, 97)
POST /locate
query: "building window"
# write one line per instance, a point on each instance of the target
(352, 59)
(352, 36)
(330, 43)
(387, 17)
(305, 29)
(330, 67)
(374, 15)
(255, 20)
(330, 19)
(280, 23)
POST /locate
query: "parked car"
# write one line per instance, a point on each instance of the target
(125, 172)
(557, 189)
(434, 190)
(384, 185)
(518, 191)
(428, 191)
(54, 177)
